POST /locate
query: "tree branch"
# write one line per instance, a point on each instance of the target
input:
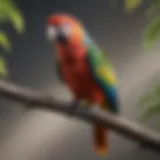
(118, 124)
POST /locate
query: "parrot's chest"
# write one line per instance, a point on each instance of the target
(78, 77)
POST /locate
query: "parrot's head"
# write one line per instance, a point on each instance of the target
(64, 28)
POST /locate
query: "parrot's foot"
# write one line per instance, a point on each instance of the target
(74, 106)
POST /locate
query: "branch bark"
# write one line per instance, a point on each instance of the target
(119, 124)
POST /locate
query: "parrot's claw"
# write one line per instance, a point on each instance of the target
(74, 107)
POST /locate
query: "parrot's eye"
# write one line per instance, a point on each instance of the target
(65, 29)
(51, 33)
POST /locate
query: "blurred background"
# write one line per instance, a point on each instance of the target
(42, 135)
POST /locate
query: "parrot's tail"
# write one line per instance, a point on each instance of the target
(100, 140)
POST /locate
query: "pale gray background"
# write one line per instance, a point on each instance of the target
(45, 136)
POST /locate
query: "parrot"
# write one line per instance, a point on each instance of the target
(83, 66)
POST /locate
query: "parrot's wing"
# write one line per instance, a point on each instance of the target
(58, 71)
(103, 74)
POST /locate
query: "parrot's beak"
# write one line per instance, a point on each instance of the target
(61, 38)
(53, 34)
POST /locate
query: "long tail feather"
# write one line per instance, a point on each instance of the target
(100, 140)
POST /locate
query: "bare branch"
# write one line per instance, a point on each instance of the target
(118, 124)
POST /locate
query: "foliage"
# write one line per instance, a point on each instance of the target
(9, 12)
(152, 32)
(150, 102)
(131, 5)
(4, 42)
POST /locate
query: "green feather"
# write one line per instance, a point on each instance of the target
(103, 74)
(101, 65)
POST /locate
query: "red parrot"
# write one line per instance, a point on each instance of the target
(83, 67)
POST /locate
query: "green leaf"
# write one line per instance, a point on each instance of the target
(2, 18)
(153, 9)
(17, 21)
(3, 67)
(10, 12)
(150, 97)
(5, 7)
(130, 5)
(4, 42)
(152, 110)
(152, 33)
(150, 103)
(144, 103)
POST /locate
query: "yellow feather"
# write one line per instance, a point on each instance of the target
(107, 74)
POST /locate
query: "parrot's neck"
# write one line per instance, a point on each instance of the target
(87, 39)
(71, 52)
(74, 51)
